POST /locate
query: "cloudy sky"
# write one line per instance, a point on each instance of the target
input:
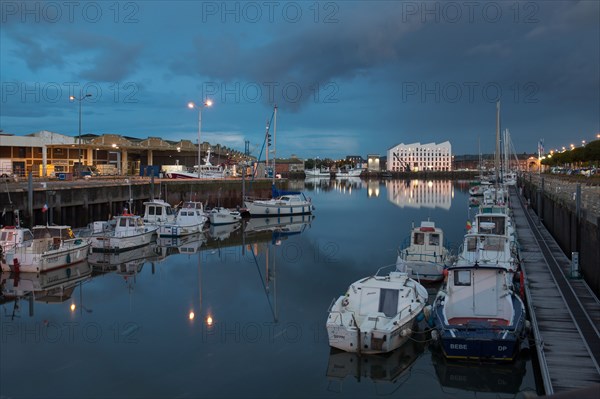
(348, 77)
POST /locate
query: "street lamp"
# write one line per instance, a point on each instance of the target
(79, 99)
(192, 105)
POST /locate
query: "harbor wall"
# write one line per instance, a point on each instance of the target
(573, 223)
(78, 203)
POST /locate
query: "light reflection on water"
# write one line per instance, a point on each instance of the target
(238, 311)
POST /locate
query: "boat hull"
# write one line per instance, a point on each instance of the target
(348, 339)
(23, 260)
(475, 345)
(264, 208)
(108, 243)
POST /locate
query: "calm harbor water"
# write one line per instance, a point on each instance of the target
(240, 311)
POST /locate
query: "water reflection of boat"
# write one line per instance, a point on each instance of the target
(111, 261)
(390, 368)
(223, 231)
(478, 376)
(180, 245)
(293, 224)
(54, 286)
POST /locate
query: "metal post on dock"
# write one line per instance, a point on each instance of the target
(575, 265)
(30, 198)
(541, 203)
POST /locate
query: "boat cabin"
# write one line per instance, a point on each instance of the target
(12, 236)
(158, 211)
(477, 294)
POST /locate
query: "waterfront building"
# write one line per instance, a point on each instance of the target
(47, 153)
(417, 157)
(373, 163)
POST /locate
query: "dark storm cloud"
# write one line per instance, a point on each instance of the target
(305, 56)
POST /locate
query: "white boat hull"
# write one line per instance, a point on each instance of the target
(175, 230)
(111, 243)
(223, 216)
(269, 208)
(25, 260)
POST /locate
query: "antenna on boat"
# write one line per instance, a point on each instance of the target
(274, 142)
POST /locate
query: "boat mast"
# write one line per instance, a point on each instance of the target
(497, 155)
(274, 141)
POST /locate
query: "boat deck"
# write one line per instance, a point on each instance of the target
(564, 312)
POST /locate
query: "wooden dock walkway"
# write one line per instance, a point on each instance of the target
(564, 312)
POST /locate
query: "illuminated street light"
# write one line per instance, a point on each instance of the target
(192, 105)
(79, 99)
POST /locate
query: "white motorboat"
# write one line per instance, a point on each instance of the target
(377, 313)
(158, 212)
(322, 172)
(13, 236)
(123, 233)
(190, 219)
(52, 247)
(220, 215)
(478, 315)
(348, 172)
(425, 257)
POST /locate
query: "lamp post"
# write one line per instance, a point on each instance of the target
(192, 105)
(79, 99)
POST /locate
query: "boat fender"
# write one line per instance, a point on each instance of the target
(405, 332)
(420, 317)
(345, 302)
(267, 210)
(435, 335)
(68, 258)
(16, 265)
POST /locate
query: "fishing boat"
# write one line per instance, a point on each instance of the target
(205, 171)
(13, 236)
(377, 313)
(190, 219)
(348, 171)
(425, 256)
(322, 172)
(158, 212)
(219, 215)
(478, 315)
(124, 232)
(52, 247)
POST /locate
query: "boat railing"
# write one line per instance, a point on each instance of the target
(422, 257)
(377, 273)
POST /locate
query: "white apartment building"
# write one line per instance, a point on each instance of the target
(419, 157)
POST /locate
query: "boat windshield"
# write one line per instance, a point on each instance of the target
(388, 302)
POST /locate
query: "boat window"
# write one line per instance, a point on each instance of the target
(150, 210)
(6, 236)
(471, 244)
(123, 222)
(183, 213)
(419, 238)
(434, 239)
(27, 235)
(462, 277)
(159, 211)
(388, 302)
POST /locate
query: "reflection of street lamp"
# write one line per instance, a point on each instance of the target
(192, 105)
(79, 99)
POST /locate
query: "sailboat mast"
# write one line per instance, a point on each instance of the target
(274, 141)
(497, 155)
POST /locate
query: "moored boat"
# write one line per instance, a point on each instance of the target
(123, 233)
(425, 257)
(377, 313)
(220, 215)
(52, 247)
(190, 219)
(478, 316)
